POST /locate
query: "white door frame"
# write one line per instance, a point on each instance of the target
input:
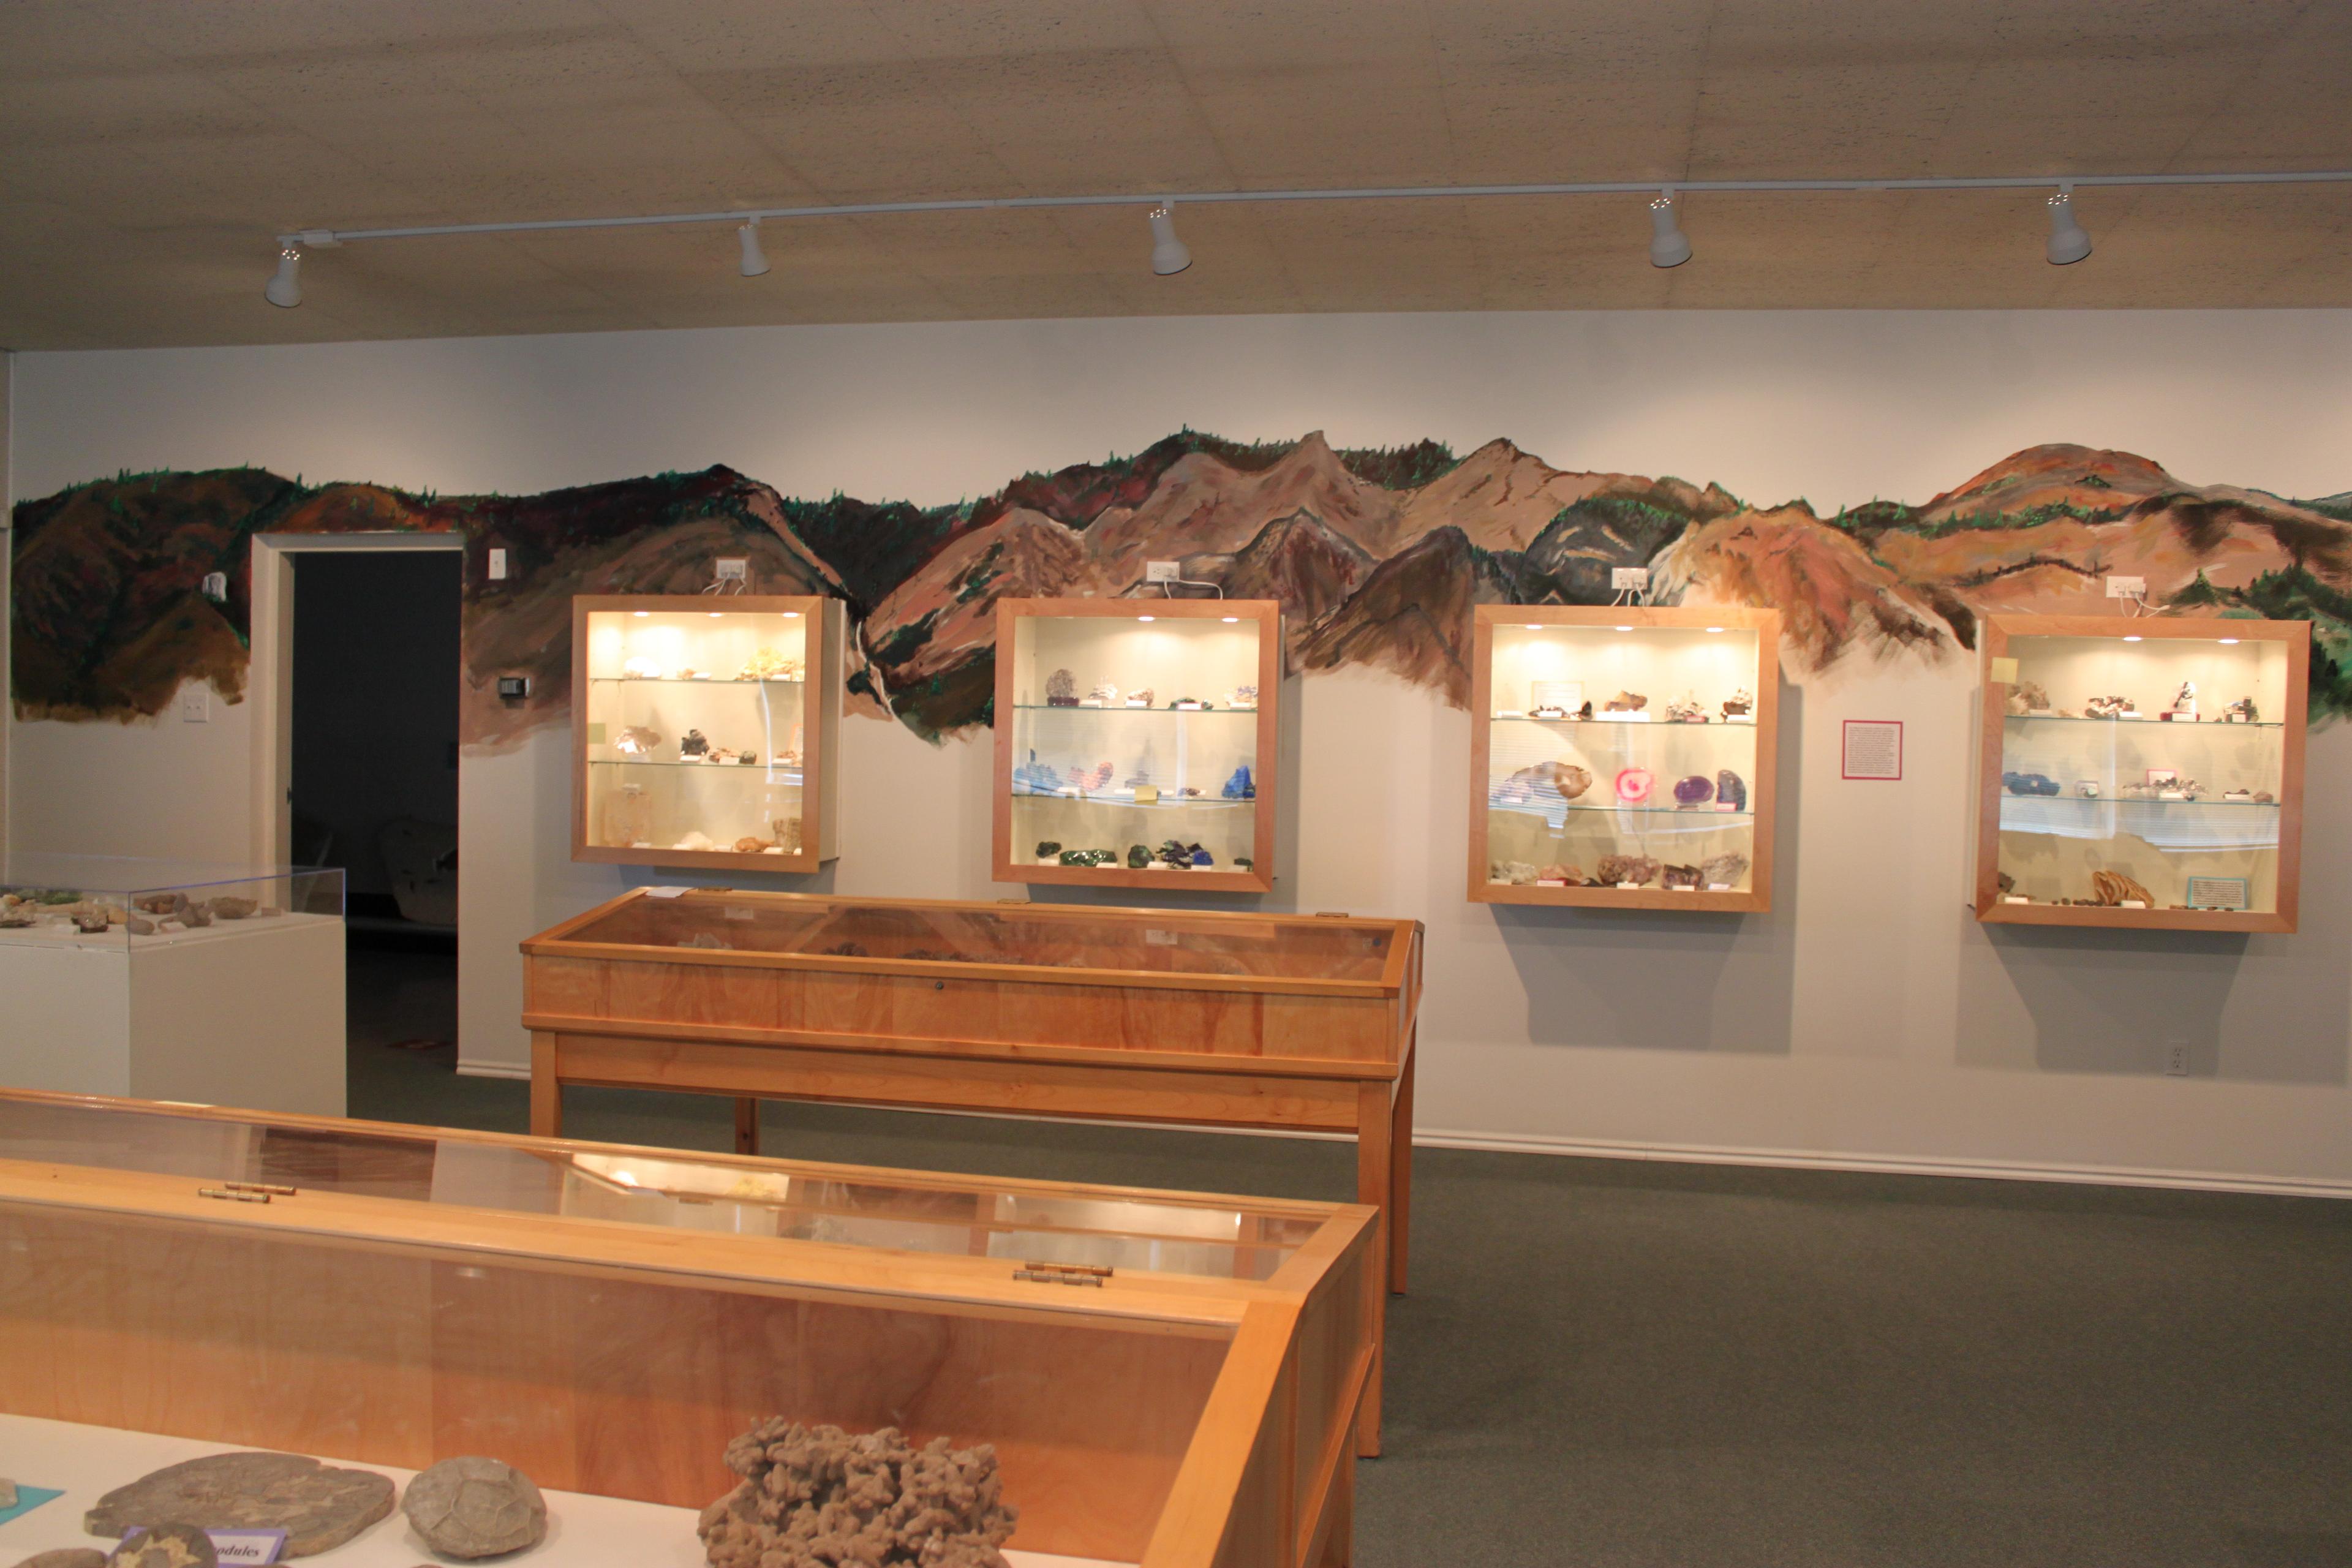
(270, 670)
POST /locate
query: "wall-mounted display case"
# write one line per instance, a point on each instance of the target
(1136, 741)
(125, 975)
(1167, 1379)
(1624, 757)
(704, 729)
(2141, 770)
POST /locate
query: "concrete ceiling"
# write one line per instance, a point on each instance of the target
(150, 150)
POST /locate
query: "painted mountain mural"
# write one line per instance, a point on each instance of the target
(1377, 555)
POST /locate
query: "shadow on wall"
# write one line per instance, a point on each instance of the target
(1659, 981)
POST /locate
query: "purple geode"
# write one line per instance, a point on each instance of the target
(1693, 791)
(1732, 789)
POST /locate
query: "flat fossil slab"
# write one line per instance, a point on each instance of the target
(319, 1507)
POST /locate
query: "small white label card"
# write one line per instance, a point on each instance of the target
(1874, 749)
(2015, 898)
(2219, 893)
(1158, 938)
(247, 1546)
(1718, 887)
(665, 893)
(1628, 887)
(2133, 904)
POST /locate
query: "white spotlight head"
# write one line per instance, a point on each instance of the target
(1669, 246)
(1169, 254)
(284, 289)
(2069, 242)
(755, 260)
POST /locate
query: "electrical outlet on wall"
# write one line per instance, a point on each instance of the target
(498, 567)
(1636, 578)
(2176, 1058)
(195, 704)
(1162, 571)
(2126, 587)
(733, 568)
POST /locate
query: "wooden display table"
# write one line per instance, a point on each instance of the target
(1167, 1380)
(1218, 1020)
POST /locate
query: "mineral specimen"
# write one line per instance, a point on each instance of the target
(636, 740)
(2113, 888)
(747, 844)
(1547, 712)
(1137, 857)
(1062, 690)
(1627, 702)
(2242, 712)
(165, 1546)
(1564, 779)
(1517, 873)
(1104, 695)
(768, 665)
(641, 668)
(67, 1557)
(1685, 710)
(1048, 849)
(2026, 697)
(1240, 786)
(1243, 697)
(91, 922)
(2265, 798)
(2184, 701)
(1723, 870)
(319, 1507)
(693, 744)
(817, 1496)
(1633, 784)
(159, 903)
(474, 1507)
(1034, 777)
(1202, 858)
(1567, 875)
(1739, 705)
(1680, 876)
(2107, 706)
(697, 840)
(1618, 869)
(1140, 699)
(2029, 784)
(1695, 790)
(229, 907)
(139, 925)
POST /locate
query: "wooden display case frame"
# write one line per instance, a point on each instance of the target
(821, 678)
(1761, 789)
(399, 1363)
(1995, 633)
(1007, 866)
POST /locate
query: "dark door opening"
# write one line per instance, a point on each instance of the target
(374, 782)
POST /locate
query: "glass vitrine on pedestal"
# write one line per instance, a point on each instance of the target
(704, 729)
(1135, 742)
(2141, 772)
(1622, 757)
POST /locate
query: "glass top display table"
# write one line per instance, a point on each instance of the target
(1167, 1379)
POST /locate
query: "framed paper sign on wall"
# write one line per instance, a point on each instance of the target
(1874, 750)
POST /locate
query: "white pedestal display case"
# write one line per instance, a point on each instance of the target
(170, 980)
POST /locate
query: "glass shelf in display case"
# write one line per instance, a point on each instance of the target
(707, 727)
(1622, 757)
(1167, 1379)
(123, 975)
(2141, 770)
(1135, 742)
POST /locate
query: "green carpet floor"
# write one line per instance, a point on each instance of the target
(1643, 1365)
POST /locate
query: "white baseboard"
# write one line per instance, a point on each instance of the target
(1884, 1164)
(1707, 1154)
(492, 1070)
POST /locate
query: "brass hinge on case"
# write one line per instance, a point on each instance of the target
(1333, 915)
(1062, 1273)
(231, 1195)
(270, 1188)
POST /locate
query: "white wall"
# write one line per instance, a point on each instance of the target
(1867, 1019)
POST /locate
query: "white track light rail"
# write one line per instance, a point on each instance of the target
(1170, 255)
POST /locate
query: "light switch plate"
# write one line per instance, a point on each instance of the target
(196, 705)
(497, 565)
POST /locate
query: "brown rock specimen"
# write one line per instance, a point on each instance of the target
(1638, 869)
(1681, 877)
(1626, 702)
(1568, 780)
(158, 903)
(166, 1546)
(474, 1507)
(814, 1497)
(2027, 697)
(229, 907)
(67, 1557)
(1573, 876)
(749, 846)
(319, 1507)
(91, 922)
(2113, 887)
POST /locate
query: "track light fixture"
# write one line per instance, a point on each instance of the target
(755, 260)
(1170, 255)
(1669, 246)
(285, 287)
(2069, 241)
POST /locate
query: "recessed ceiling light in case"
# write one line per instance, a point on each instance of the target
(2069, 241)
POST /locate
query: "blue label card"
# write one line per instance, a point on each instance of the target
(27, 1499)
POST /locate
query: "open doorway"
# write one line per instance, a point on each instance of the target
(358, 679)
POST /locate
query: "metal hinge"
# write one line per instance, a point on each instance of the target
(1062, 1273)
(1333, 915)
(231, 1195)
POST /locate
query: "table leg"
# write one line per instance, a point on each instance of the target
(1375, 1119)
(546, 1092)
(747, 1126)
(1401, 1174)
